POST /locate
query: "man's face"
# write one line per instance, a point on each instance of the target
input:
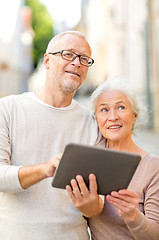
(66, 75)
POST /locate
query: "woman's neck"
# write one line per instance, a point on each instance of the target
(126, 145)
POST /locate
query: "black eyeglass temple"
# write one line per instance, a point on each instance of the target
(55, 52)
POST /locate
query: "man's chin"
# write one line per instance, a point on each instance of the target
(71, 86)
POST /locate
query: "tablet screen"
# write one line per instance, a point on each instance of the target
(113, 169)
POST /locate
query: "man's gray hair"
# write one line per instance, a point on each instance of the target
(56, 38)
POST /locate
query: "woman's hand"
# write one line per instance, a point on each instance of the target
(86, 201)
(126, 201)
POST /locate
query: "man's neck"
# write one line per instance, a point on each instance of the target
(55, 99)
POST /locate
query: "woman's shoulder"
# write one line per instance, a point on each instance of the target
(151, 158)
(151, 161)
(101, 141)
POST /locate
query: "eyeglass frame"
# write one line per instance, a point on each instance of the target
(76, 55)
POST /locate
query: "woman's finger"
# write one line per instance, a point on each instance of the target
(127, 192)
(76, 190)
(126, 196)
(82, 186)
(70, 193)
(92, 184)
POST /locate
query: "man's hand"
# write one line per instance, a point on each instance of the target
(50, 167)
(86, 201)
(32, 174)
(126, 201)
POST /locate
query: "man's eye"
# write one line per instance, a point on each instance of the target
(68, 54)
(84, 59)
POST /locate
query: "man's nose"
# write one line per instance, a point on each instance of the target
(76, 60)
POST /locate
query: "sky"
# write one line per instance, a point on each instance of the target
(67, 11)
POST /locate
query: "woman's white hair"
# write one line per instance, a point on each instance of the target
(120, 84)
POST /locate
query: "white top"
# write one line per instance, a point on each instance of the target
(32, 132)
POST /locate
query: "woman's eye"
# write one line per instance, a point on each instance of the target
(121, 107)
(104, 110)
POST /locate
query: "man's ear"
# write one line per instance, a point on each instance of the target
(46, 61)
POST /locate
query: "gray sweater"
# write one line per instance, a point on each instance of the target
(145, 182)
(32, 132)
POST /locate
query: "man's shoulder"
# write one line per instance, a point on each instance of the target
(13, 96)
(8, 102)
(83, 109)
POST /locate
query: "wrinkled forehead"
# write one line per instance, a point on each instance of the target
(112, 96)
(70, 41)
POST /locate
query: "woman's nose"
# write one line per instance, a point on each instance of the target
(113, 115)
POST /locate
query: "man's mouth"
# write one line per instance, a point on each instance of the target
(74, 73)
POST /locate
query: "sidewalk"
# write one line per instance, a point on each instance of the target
(146, 138)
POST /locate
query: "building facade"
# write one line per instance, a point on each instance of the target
(124, 36)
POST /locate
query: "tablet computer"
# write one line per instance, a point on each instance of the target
(113, 169)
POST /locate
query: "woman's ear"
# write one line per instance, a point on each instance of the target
(135, 117)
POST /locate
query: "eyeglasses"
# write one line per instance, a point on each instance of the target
(71, 56)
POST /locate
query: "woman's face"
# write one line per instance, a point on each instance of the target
(115, 116)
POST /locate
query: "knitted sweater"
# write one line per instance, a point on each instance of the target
(145, 182)
(32, 132)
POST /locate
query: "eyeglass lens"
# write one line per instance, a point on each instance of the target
(84, 60)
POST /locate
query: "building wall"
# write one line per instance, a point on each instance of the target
(16, 37)
(120, 36)
(154, 52)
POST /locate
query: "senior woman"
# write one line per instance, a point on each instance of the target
(131, 213)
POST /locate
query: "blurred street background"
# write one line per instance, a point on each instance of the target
(145, 137)
(123, 34)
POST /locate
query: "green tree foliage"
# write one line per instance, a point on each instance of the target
(43, 28)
